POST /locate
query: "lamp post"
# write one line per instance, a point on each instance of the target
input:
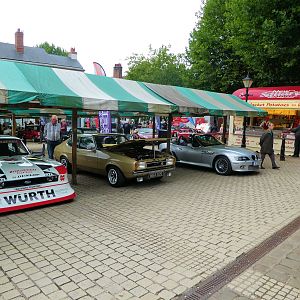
(247, 83)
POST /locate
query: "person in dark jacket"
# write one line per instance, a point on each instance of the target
(266, 144)
(297, 141)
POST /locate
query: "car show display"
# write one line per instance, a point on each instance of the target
(206, 151)
(28, 180)
(117, 158)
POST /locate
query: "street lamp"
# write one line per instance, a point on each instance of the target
(247, 83)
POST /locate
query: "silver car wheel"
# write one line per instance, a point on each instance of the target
(222, 165)
(112, 176)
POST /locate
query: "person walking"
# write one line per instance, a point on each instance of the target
(52, 135)
(296, 130)
(266, 143)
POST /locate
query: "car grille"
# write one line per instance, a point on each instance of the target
(254, 157)
(28, 182)
(156, 164)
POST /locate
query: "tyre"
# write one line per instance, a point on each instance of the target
(64, 161)
(115, 177)
(222, 165)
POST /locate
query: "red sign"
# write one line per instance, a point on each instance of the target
(270, 93)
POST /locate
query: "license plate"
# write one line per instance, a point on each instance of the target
(156, 174)
(255, 163)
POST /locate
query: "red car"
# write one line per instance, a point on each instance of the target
(31, 132)
(185, 132)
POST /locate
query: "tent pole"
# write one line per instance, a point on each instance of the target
(224, 129)
(170, 118)
(13, 125)
(74, 146)
(153, 126)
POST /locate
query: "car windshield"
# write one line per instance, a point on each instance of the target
(109, 140)
(11, 147)
(207, 140)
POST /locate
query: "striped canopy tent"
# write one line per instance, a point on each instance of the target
(53, 87)
(216, 104)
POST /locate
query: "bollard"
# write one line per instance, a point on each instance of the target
(282, 149)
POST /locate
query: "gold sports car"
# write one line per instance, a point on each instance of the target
(117, 158)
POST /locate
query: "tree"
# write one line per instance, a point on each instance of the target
(52, 49)
(159, 66)
(214, 64)
(236, 37)
(266, 35)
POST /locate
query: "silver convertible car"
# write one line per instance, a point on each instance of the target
(206, 151)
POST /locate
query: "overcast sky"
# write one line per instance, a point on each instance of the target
(105, 31)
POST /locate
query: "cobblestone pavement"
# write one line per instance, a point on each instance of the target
(275, 276)
(146, 241)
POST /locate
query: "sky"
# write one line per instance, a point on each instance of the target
(104, 31)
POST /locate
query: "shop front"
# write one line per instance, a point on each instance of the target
(283, 107)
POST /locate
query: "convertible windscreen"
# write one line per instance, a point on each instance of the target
(207, 140)
(109, 140)
(12, 147)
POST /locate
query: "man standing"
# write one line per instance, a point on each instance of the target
(52, 135)
(266, 144)
(297, 141)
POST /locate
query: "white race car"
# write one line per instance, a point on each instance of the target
(27, 180)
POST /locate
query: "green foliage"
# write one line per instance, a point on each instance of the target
(159, 66)
(266, 34)
(214, 64)
(52, 49)
(234, 37)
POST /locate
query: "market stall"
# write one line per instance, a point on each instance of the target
(283, 107)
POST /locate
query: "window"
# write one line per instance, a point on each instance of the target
(87, 142)
(12, 147)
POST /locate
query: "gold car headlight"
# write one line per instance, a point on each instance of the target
(169, 161)
(140, 165)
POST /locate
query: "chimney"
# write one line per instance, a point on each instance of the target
(117, 71)
(19, 41)
(72, 54)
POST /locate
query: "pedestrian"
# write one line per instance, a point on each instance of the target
(127, 128)
(52, 135)
(135, 134)
(266, 143)
(296, 130)
(63, 128)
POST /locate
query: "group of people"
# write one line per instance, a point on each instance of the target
(267, 143)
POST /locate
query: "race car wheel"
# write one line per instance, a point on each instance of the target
(64, 161)
(222, 165)
(115, 177)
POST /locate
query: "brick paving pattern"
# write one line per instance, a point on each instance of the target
(145, 241)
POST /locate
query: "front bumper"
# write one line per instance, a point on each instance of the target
(246, 166)
(149, 174)
(36, 195)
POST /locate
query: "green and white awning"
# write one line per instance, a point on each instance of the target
(65, 89)
(216, 104)
(21, 83)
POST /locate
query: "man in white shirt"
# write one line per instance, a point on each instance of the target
(52, 135)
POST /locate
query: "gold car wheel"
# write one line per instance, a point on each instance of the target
(112, 176)
(115, 176)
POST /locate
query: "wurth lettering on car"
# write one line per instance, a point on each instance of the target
(10, 199)
(50, 193)
(31, 196)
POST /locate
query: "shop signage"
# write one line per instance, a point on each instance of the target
(286, 104)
